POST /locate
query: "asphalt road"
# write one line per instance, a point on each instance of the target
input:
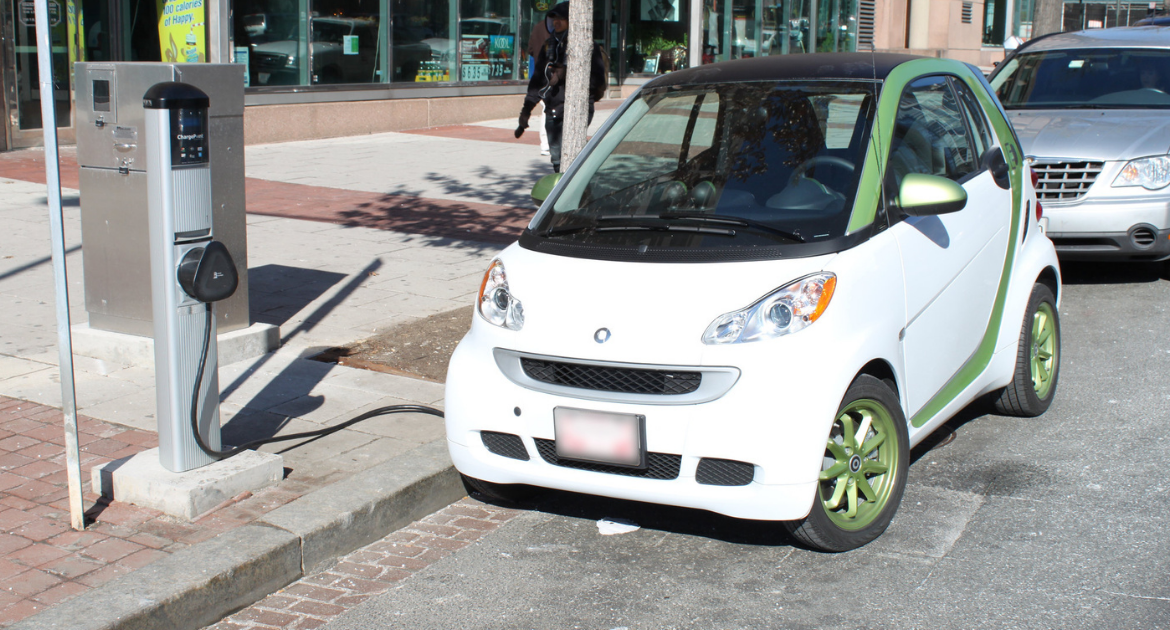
(1056, 522)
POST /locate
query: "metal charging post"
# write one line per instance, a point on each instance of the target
(179, 215)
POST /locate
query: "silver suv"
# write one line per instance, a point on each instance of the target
(1092, 110)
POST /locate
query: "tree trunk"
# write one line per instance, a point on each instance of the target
(1048, 17)
(577, 80)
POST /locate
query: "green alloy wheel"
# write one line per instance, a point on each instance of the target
(1037, 360)
(864, 471)
(1043, 350)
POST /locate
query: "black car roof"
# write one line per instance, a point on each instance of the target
(788, 67)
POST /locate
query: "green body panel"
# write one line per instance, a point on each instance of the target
(544, 187)
(982, 357)
(865, 207)
(922, 195)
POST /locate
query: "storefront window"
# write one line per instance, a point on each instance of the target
(310, 42)
(656, 36)
(837, 26)
(423, 47)
(994, 22)
(487, 40)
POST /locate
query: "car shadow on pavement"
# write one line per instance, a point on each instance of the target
(1108, 272)
(664, 518)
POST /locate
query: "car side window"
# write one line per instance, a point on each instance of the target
(930, 136)
(973, 113)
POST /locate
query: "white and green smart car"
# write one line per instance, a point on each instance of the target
(759, 286)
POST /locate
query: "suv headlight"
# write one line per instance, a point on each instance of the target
(786, 310)
(496, 303)
(1151, 173)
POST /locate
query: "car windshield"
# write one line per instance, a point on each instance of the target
(1093, 78)
(720, 166)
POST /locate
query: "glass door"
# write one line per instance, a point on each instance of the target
(27, 85)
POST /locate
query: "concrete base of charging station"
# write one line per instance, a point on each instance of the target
(132, 350)
(140, 479)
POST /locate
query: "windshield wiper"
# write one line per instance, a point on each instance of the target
(732, 220)
(635, 225)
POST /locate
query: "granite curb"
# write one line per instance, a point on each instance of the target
(200, 585)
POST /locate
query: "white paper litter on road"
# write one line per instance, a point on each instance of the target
(609, 527)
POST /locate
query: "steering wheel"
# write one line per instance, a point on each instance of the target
(820, 159)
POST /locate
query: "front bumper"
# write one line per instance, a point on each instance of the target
(1141, 243)
(1110, 227)
(779, 433)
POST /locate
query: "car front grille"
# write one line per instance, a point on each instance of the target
(1065, 181)
(658, 465)
(504, 444)
(612, 379)
(724, 472)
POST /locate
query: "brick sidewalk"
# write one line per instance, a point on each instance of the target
(43, 561)
(315, 599)
(401, 213)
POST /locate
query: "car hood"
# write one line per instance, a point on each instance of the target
(284, 47)
(1092, 134)
(655, 312)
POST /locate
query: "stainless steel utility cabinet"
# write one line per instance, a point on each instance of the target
(110, 150)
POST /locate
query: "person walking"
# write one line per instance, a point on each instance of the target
(540, 33)
(547, 83)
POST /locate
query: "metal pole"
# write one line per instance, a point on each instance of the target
(60, 280)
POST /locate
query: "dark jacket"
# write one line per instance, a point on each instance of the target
(548, 81)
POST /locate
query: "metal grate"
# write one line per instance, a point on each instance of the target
(865, 21)
(504, 444)
(967, 11)
(1065, 181)
(1143, 237)
(612, 379)
(658, 465)
(724, 472)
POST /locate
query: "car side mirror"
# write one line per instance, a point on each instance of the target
(925, 195)
(544, 187)
(1001, 171)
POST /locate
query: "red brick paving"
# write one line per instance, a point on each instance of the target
(43, 561)
(314, 600)
(401, 213)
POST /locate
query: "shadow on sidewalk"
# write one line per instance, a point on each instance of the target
(296, 382)
(508, 208)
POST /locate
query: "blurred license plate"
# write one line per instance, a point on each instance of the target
(597, 436)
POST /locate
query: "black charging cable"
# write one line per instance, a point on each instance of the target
(381, 411)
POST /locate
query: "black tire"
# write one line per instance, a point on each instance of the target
(839, 532)
(1023, 397)
(508, 493)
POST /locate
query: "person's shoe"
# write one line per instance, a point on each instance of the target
(545, 152)
(556, 168)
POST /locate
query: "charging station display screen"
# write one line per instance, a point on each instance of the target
(188, 137)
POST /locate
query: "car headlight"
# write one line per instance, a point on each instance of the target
(290, 61)
(1151, 173)
(496, 303)
(786, 310)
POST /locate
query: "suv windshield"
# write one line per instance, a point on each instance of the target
(718, 167)
(1091, 78)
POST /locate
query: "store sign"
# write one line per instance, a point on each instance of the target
(485, 57)
(28, 13)
(180, 31)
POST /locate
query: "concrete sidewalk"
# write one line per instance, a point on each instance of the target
(329, 281)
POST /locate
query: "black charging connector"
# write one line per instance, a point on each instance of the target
(208, 274)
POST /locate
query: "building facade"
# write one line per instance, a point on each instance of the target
(321, 68)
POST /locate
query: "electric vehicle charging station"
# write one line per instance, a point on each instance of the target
(190, 271)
